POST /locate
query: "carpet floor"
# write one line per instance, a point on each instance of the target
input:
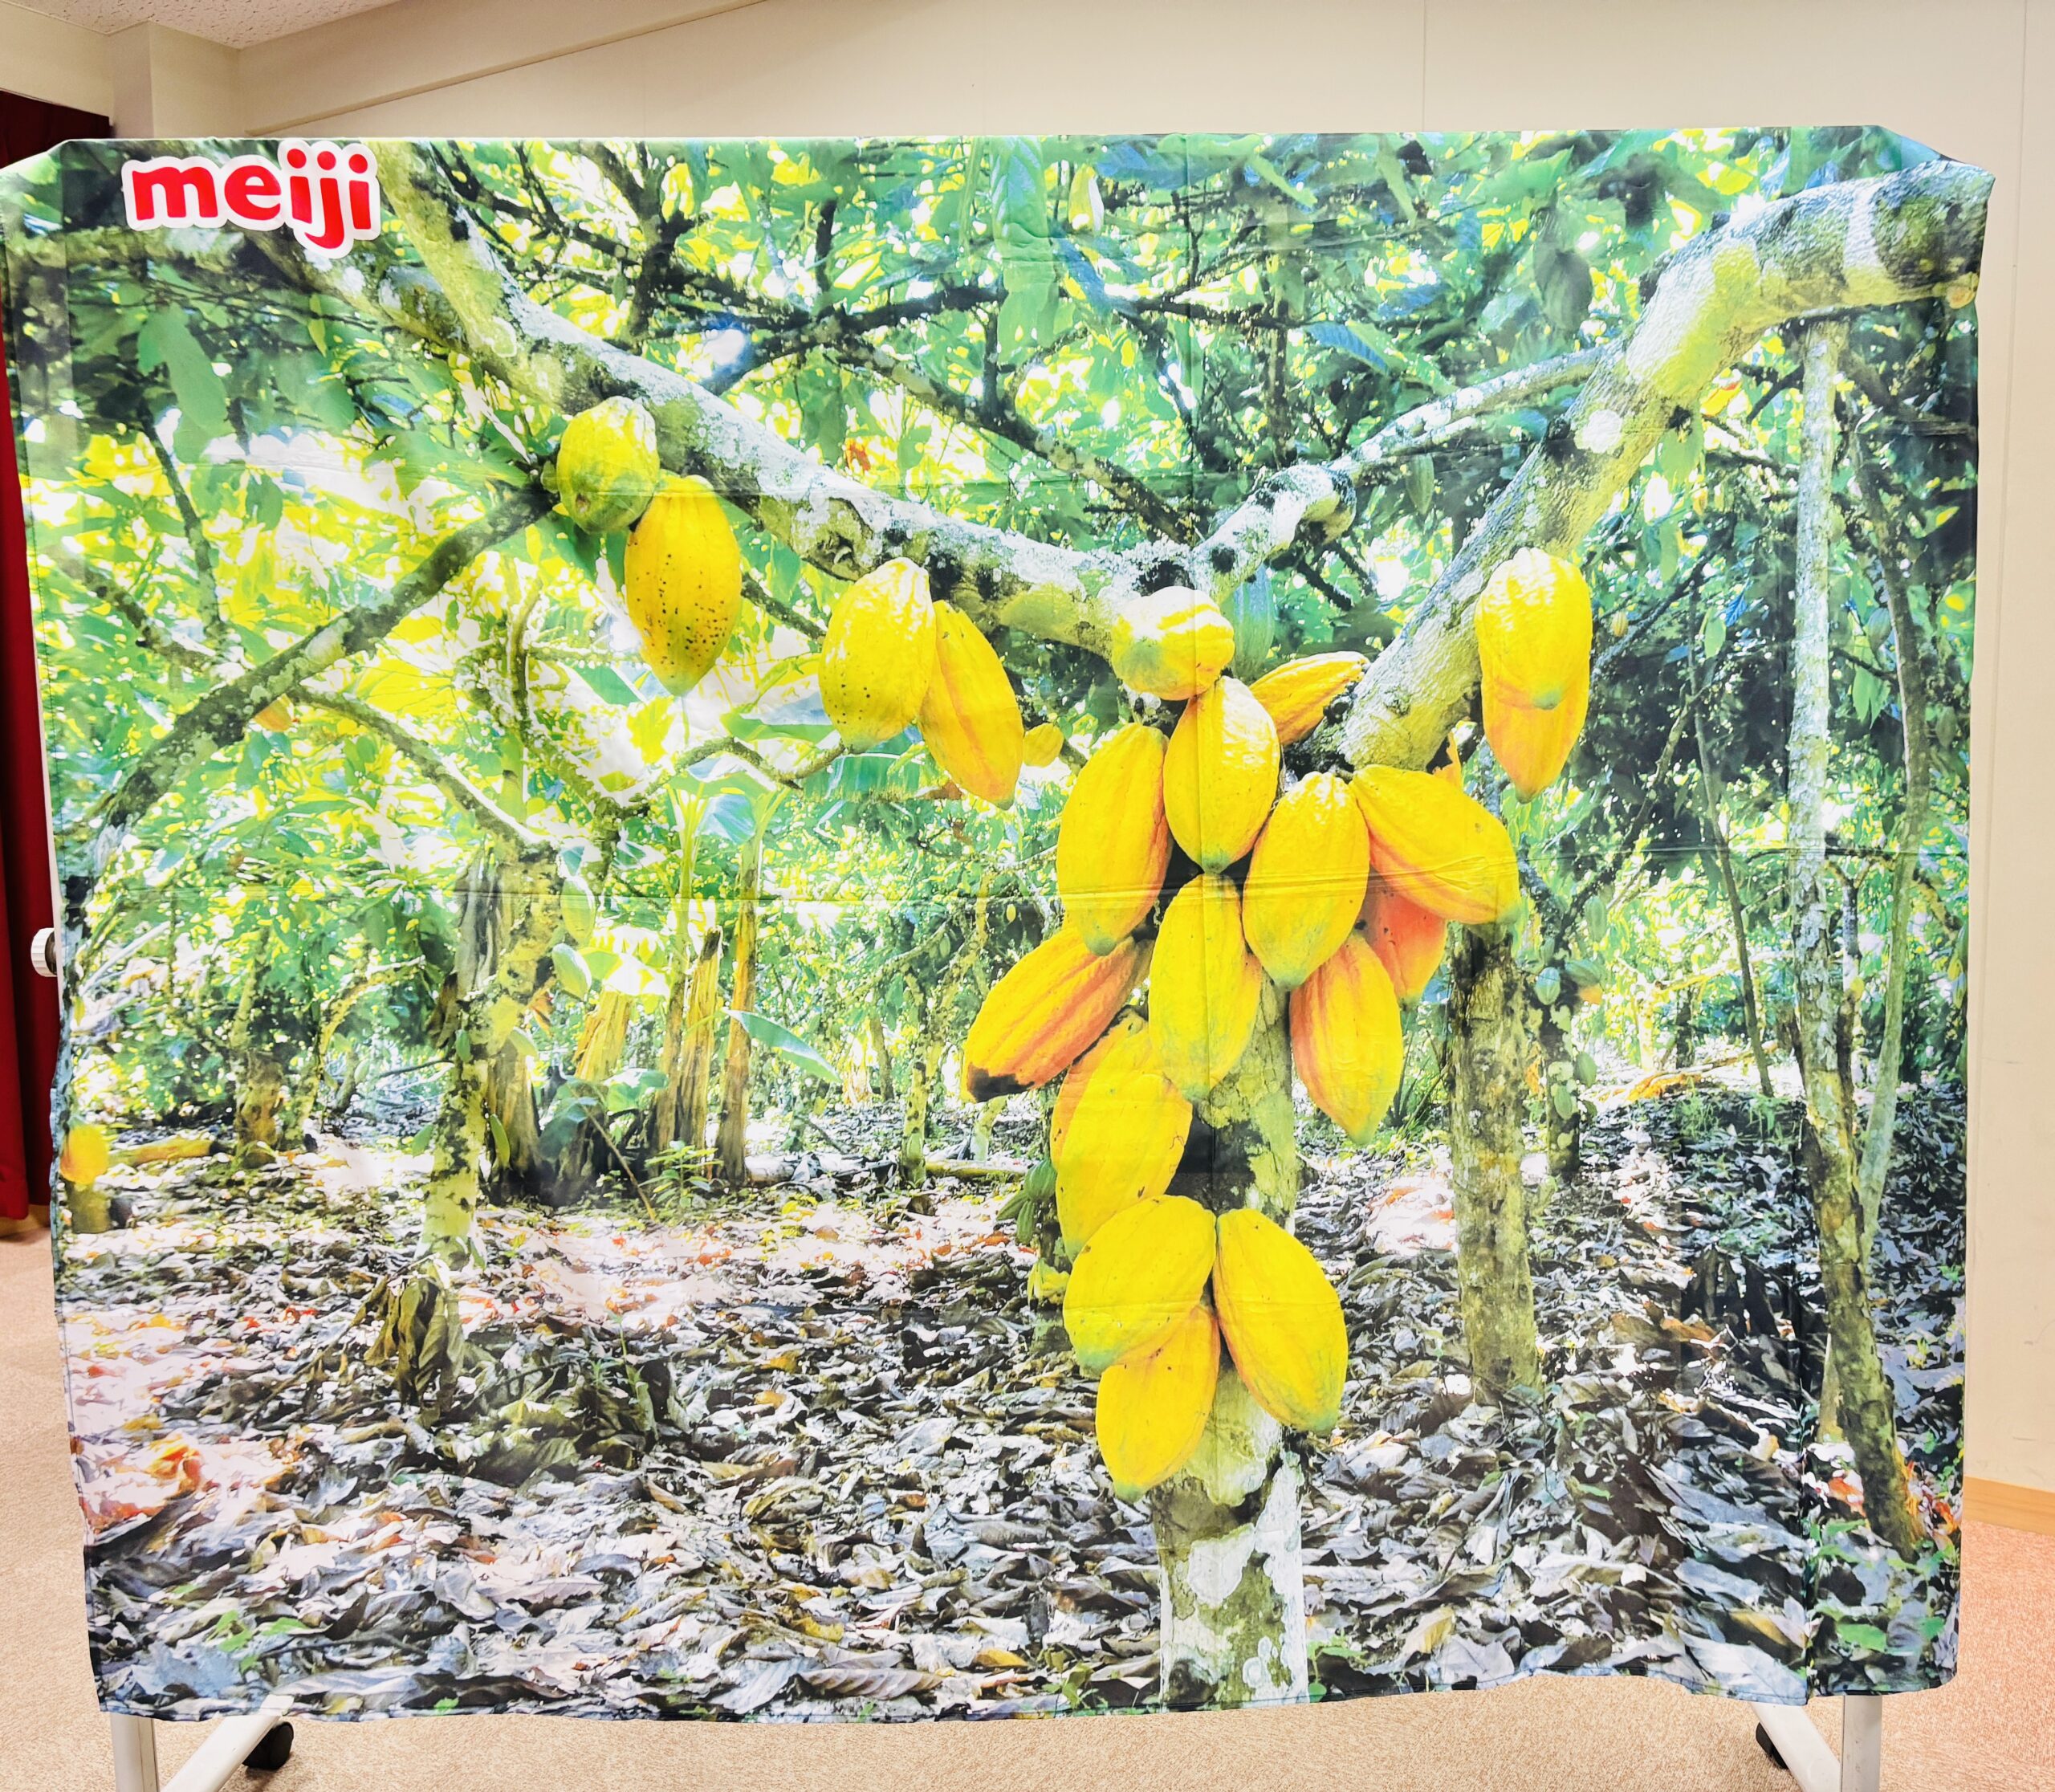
(1992, 1727)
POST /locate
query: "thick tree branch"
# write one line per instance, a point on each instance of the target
(1858, 243)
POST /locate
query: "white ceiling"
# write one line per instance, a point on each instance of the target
(236, 23)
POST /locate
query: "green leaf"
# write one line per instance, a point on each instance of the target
(572, 970)
(167, 341)
(787, 1045)
(1712, 635)
(608, 686)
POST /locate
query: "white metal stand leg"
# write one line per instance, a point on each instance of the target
(1861, 1744)
(135, 1754)
(1811, 1763)
(225, 1750)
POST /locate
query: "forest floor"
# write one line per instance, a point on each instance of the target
(812, 1452)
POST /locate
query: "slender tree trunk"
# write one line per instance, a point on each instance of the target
(881, 1049)
(981, 1131)
(307, 1096)
(1562, 1111)
(259, 1081)
(733, 1143)
(701, 1021)
(1233, 1623)
(925, 1062)
(1867, 1412)
(1736, 915)
(1684, 1028)
(1488, 1040)
(1913, 821)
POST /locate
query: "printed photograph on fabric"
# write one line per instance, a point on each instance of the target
(899, 929)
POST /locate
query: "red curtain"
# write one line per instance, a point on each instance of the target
(28, 1003)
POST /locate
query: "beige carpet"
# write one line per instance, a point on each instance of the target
(1994, 1727)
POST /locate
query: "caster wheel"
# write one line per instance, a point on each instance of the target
(1769, 1748)
(273, 1752)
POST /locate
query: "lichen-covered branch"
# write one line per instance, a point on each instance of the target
(469, 303)
(1860, 243)
(1908, 236)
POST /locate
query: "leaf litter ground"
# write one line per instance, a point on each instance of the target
(814, 1454)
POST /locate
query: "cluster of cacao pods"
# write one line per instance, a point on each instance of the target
(894, 655)
(1336, 891)
(1160, 1284)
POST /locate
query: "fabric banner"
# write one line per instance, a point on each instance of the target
(941, 928)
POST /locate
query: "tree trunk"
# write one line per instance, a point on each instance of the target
(512, 905)
(688, 1057)
(1684, 1028)
(306, 1098)
(1233, 1620)
(259, 1080)
(881, 1050)
(1866, 1410)
(1912, 825)
(1562, 1112)
(1488, 1041)
(733, 1144)
(1736, 915)
(923, 1059)
(981, 1131)
(258, 1094)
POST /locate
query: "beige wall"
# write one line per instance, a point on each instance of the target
(47, 59)
(1958, 75)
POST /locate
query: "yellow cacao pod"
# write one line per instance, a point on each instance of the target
(1408, 939)
(1127, 1029)
(1436, 845)
(1534, 629)
(879, 655)
(1171, 644)
(1204, 986)
(1152, 1410)
(1298, 692)
(86, 1155)
(1144, 1270)
(1220, 774)
(1123, 1142)
(1534, 745)
(1282, 1320)
(683, 586)
(606, 468)
(1037, 1020)
(969, 718)
(1114, 844)
(1347, 1044)
(1306, 879)
(1042, 746)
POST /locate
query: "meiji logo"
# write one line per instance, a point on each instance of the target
(326, 197)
